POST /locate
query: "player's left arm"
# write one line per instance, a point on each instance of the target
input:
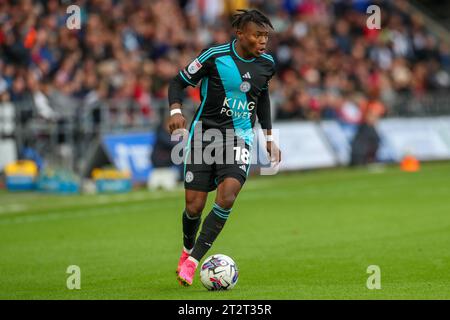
(264, 118)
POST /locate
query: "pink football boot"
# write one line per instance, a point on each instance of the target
(187, 273)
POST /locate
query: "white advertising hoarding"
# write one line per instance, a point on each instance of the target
(303, 146)
(7, 152)
(425, 138)
(338, 139)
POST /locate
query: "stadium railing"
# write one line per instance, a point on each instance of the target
(64, 138)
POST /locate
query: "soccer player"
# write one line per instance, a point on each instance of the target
(234, 91)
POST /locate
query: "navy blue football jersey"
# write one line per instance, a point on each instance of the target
(230, 88)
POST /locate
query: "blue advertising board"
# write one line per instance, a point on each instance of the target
(131, 152)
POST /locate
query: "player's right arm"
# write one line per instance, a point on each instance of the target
(189, 76)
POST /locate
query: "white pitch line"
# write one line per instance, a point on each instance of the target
(12, 208)
(99, 200)
(92, 212)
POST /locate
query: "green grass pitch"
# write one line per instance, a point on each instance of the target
(307, 235)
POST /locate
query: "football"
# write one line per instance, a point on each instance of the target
(219, 272)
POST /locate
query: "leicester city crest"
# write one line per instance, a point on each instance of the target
(245, 86)
(189, 176)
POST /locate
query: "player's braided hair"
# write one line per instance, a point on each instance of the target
(244, 16)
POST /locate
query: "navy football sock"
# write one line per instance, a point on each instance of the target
(211, 228)
(190, 228)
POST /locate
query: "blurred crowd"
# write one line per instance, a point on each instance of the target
(329, 64)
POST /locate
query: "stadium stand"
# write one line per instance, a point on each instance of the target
(113, 73)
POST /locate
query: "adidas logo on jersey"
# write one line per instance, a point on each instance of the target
(247, 75)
